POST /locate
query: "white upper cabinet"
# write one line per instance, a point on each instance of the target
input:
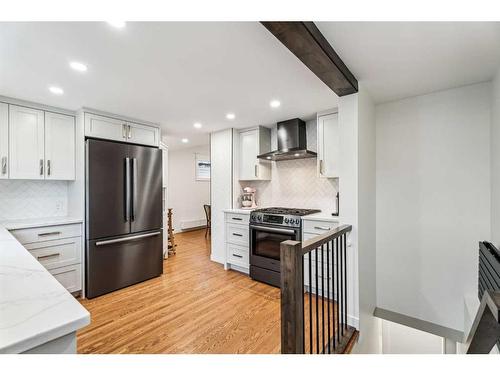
(104, 127)
(4, 140)
(328, 145)
(26, 143)
(143, 134)
(254, 142)
(59, 146)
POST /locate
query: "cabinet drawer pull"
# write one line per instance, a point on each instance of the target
(237, 218)
(48, 256)
(323, 228)
(4, 165)
(237, 256)
(48, 234)
(237, 235)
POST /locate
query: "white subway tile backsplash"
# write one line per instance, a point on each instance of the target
(295, 183)
(27, 199)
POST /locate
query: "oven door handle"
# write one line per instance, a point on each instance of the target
(273, 230)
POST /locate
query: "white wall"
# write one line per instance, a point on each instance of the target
(433, 201)
(186, 196)
(370, 330)
(495, 161)
(400, 339)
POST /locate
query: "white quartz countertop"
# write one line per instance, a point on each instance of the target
(39, 222)
(322, 216)
(238, 211)
(34, 307)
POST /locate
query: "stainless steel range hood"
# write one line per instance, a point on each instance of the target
(292, 142)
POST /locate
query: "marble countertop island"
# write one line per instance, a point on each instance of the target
(34, 308)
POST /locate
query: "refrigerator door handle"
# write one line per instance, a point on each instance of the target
(116, 240)
(127, 189)
(134, 189)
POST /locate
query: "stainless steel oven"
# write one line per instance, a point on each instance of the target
(265, 243)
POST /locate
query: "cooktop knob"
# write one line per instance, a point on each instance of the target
(286, 220)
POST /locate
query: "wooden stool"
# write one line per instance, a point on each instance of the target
(171, 240)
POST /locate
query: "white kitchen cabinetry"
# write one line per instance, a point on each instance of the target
(59, 146)
(328, 145)
(253, 142)
(237, 242)
(26, 143)
(4, 140)
(58, 248)
(114, 129)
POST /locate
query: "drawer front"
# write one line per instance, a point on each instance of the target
(238, 255)
(57, 253)
(318, 227)
(237, 234)
(237, 218)
(69, 277)
(42, 234)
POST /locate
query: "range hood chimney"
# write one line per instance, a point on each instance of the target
(292, 142)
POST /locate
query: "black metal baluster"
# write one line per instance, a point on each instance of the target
(328, 291)
(341, 287)
(337, 287)
(317, 302)
(310, 306)
(323, 297)
(345, 279)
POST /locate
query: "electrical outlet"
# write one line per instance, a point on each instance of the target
(59, 206)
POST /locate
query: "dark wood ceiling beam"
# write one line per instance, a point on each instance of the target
(306, 42)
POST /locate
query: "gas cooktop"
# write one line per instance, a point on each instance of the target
(280, 216)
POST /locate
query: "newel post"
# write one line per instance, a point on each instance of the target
(292, 298)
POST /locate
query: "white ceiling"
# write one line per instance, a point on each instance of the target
(172, 73)
(400, 59)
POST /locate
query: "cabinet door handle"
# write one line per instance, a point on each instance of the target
(129, 131)
(48, 234)
(237, 256)
(323, 228)
(256, 170)
(237, 235)
(4, 165)
(48, 167)
(321, 171)
(48, 256)
(41, 167)
(124, 130)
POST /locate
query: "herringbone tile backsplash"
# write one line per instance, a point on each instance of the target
(28, 199)
(295, 183)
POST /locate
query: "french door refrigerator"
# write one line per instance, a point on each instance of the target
(123, 215)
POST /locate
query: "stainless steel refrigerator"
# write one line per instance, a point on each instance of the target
(123, 215)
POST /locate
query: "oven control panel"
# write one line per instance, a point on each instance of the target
(279, 220)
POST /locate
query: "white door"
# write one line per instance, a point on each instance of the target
(248, 155)
(105, 127)
(143, 134)
(59, 146)
(4, 140)
(26, 143)
(328, 145)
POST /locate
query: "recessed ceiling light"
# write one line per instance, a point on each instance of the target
(296, 155)
(230, 116)
(56, 90)
(117, 24)
(184, 140)
(275, 103)
(78, 66)
(268, 157)
(197, 125)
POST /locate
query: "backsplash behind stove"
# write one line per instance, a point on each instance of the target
(295, 183)
(29, 199)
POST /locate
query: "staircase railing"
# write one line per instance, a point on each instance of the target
(314, 294)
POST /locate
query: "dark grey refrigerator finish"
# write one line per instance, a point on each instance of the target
(123, 215)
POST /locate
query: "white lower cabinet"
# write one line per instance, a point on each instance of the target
(59, 249)
(237, 241)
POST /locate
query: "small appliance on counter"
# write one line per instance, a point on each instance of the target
(248, 199)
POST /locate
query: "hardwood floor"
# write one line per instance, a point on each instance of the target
(194, 307)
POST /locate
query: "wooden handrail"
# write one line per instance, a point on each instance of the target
(333, 315)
